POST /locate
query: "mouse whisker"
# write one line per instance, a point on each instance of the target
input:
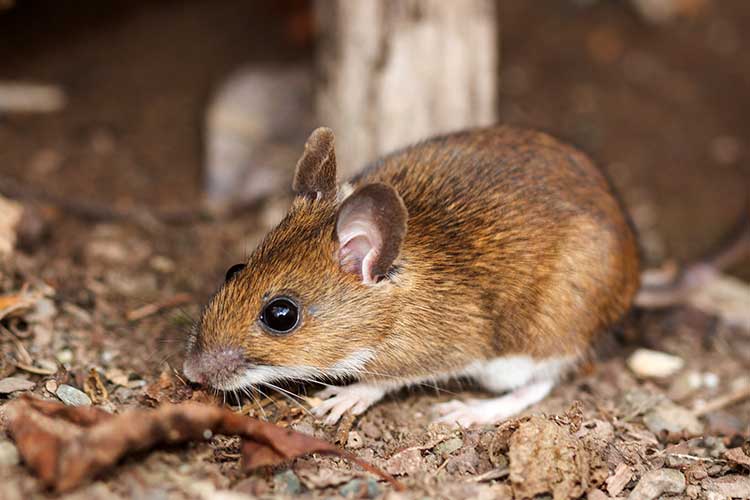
(289, 395)
(314, 381)
(255, 401)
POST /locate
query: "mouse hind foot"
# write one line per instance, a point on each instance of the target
(489, 411)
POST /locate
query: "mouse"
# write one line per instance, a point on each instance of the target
(498, 254)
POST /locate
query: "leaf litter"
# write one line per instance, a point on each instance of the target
(67, 446)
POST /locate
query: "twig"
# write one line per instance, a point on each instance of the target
(34, 369)
(726, 400)
(151, 309)
(490, 475)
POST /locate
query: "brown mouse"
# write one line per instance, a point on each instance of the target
(496, 253)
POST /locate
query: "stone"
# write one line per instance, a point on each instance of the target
(371, 430)
(360, 488)
(619, 479)
(15, 384)
(673, 419)
(596, 495)
(448, 446)
(355, 440)
(405, 462)
(655, 483)
(287, 482)
(646, 363)
(72, 396)
(731, 486)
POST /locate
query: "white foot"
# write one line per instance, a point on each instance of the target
(488, 411)
(355, 397)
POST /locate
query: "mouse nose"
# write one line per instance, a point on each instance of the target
(216, 368)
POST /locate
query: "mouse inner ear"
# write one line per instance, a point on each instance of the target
(370, 227)
(315, 175)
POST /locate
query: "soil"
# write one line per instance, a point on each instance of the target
(661, 107)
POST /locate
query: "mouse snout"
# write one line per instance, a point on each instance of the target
(217, 368)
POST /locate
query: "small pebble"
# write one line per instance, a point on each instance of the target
(448, 446)
(287, 482)
(72, 396)
(360, 488)
(693, 491)
(47, 364)
(162, 264)
(14, 384)
(355, 440)
(371, 430)
(51, 386)
(65, 356)
(647, 363)
(672, 418)
(304, 428)
(655, 483)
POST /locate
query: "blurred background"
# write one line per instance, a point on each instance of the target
(147, 146)
(170, 104)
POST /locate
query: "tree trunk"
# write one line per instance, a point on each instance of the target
(391, 72)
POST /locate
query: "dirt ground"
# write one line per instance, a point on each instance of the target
(661, 108)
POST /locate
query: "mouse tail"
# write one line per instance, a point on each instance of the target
(662, 288)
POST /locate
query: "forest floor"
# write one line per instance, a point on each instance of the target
(661, 108)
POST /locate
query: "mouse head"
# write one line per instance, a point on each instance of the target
(310, 300)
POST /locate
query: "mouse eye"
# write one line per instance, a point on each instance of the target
(232, 271)
(280, 315)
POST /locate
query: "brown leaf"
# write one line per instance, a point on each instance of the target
(52, 440)
(737, 456)
(546, 458)
(94, 388)
(168, 389)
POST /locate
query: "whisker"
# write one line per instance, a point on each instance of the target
(290, 396)
(255, 401)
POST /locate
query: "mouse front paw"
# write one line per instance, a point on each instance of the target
(337, 400)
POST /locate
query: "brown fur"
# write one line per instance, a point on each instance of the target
(316, 169)
(515, 244)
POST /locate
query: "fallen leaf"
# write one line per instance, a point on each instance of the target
(737, 456)
(546, 458)
(16, 304)
(168, 389)
(617, 481)
(14, 384)
(117, 377)
(405, 462)
(65, 446)
(729, 486)
(94, 388)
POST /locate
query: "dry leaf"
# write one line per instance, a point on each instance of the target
(546, 458)
(65, 446)
(94, 388)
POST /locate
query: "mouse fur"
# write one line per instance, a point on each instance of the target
(498, 253)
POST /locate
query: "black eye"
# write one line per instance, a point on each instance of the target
(280, 315)
(234, 270)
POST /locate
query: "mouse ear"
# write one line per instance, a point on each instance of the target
(316, 169)
(370, 227)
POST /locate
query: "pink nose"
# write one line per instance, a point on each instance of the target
(216, 368)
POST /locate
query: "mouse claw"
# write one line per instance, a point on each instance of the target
(338, 400)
